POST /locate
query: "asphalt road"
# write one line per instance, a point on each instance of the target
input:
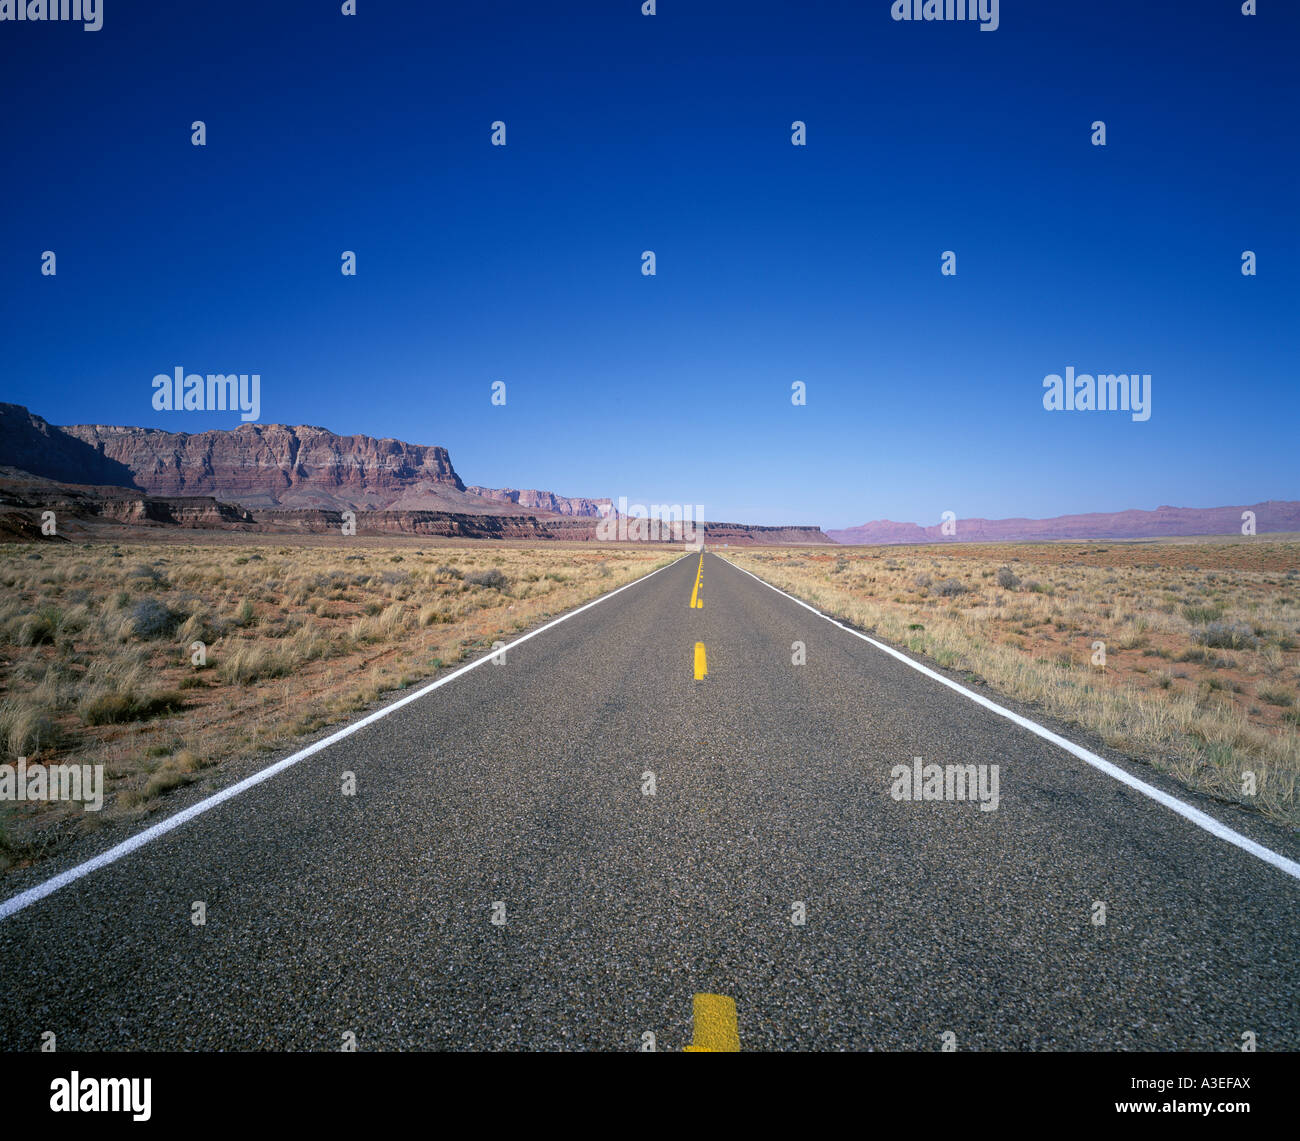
(522, 783)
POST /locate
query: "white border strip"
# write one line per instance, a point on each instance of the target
(25, 899)
(1195, 815)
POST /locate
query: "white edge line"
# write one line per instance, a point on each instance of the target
(1195, 815)
(26, 898)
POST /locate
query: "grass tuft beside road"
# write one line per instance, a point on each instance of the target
(1201, 672)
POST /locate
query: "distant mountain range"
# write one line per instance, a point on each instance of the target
(274, 470)
(1164, 522)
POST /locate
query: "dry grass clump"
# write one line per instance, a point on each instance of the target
(161, 662)
(1201, 666)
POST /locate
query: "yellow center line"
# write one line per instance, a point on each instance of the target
(701, 662)
(697, 603)
(716, 1029)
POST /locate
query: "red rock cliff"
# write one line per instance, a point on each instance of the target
(268, 465)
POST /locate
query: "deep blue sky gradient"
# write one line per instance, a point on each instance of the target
(775, 263)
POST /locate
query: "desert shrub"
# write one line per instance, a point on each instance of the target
(116, 706)
(152, 619)
(164, 780)
(199, 626)
(433, 615)
(382, 627)
(1006, 579)
(155, 704)
(252, 663)
(922, 581)
(1226, 636)
(492, 578)
(1277, 697)
(24, 727)
(950, 588)
(108, 708)
(1210, 661)
(39, 627)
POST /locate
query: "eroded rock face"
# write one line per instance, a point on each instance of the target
(531, 527)
(546, 501)
(25, 500)
(31, 444)
(748, 535)
(274, 465)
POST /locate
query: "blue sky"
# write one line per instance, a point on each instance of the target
(775, 263)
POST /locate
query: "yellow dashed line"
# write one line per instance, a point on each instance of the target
(697, 603)
(716, 1030)
(701, 662)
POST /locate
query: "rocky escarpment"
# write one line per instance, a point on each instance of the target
(454, 525)
(28, 501)
(269, 465)
(546, 501)
(275, 465)
(82, 512)
(520, 526)
(745, 535)
(434, 524)
(31, 444)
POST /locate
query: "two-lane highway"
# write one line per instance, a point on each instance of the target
(564, 849)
